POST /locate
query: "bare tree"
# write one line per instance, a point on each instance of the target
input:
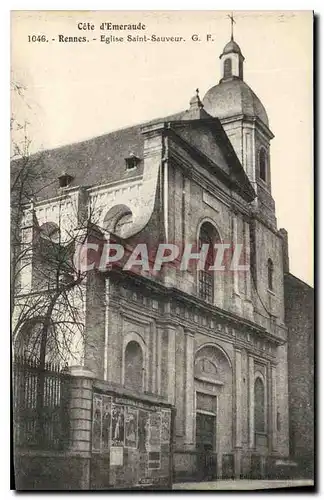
(47, 313)
(49, 307)
(25, 170)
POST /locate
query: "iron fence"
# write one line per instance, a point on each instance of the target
(39, 404)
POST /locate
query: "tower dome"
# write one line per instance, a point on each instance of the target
(233, 97)
(231, 46)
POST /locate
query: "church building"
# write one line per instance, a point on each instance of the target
(210, 345)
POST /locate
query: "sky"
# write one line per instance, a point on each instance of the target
(74, 91)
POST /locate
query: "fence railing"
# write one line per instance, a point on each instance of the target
(39, 404)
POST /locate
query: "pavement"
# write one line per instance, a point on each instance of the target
(243, 484)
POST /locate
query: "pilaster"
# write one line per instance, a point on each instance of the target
(251, 401)
(238, 399)
(189, 388)
(273, 372)
(171, 363)
(236, 303)
(248, 305)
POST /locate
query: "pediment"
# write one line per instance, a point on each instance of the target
(210, 145)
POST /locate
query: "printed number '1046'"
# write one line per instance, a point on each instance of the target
(37, 38)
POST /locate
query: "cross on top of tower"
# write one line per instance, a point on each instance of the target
(231, 17)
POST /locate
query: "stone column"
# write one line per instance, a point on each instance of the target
(153, 336)
(285, 249)
(273, 407)
(238, 412)
(171, 363)
(247, 253)
(107, 328)
(235, 292)
(247, 260)
(94, 335)
(166, 199)
(235, 275)
(158, 359)
(251, 402)
(115, 345)
(79, 417)
(238, 398)
(189, 388)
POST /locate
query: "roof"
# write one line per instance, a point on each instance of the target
(231, 47)
(101, 160)
(234, 97)
(91, 162)
(297, 282)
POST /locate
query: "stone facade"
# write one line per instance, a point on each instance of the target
(222, 363)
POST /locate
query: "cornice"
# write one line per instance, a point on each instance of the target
(216, 315)
(249, 119)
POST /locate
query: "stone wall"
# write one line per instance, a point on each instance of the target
(299, 310)
(131, 440)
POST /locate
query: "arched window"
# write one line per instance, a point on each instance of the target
(270, 274)
(123, 223)
(263, 164)
(118, 219)
(208, 236)
(227, 68)
(37, 343)
(51, 259)
(133, 366)
(50, 231)
(259, 405)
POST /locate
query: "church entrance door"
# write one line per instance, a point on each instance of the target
(205, 443)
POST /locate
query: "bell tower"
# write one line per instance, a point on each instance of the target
(245, 122)
(231, 58)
